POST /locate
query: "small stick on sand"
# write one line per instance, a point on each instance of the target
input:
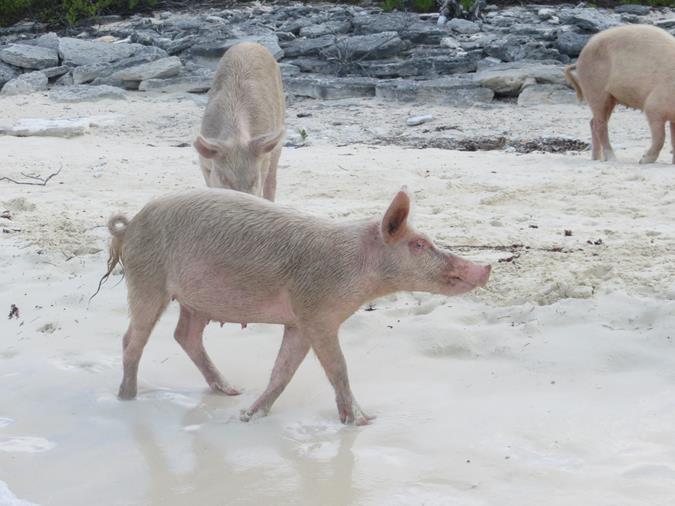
(37, 180)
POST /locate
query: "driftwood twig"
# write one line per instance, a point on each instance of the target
(33, 180)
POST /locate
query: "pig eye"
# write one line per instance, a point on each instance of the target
(418, 245)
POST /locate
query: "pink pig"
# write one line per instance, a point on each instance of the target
(232, 257)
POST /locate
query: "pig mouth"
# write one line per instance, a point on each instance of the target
(457, 282)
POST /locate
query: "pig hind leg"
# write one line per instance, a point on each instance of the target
(657, 125)
(602, 107)
(672, 138)
(189, 334)
(293, 350)
(327, 349)
(145, 309)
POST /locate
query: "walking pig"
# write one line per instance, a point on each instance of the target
(633, 66)
(231, 257)
(243, 125)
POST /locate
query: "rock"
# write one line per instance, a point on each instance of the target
(214, 49)
(367, 47)
(190, 83)
(25, 84)
(288, 69)
(571, 43)
(456, 90)
(64, 80)
(418, 120)
(423, 33)
(29, 57)
(441, 20)
(587, 19)
(158, 69)
(546, 13)
(316, 65)
(508, 79)
(308, 47)
(85, 93)
(30, 127)
(88, 73)
(7, 73)
(507, 49)
(330, 88)
(636, 9)
(52, 72)
(546, 94)
(417, 66)
(450, 42)
(327, 28)
(383, 22)
(85, 52)
(666, 24)
(49, 40)
(463, 26)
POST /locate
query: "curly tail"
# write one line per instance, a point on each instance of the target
(573, 81)
(117, 226)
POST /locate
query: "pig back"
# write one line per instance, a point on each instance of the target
(247, 94)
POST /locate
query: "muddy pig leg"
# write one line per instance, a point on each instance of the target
(595, 144)
(270, 186)
(293, 350)
(327, 349)
(145, 310)
(657, 125)
(189, 334)
(601, 122)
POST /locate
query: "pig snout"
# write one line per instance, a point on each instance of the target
(470, 273)
(478, 275)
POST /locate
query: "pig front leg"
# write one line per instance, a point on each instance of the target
(658, 128)
(293, 350)
(189, 334)
(327, 349)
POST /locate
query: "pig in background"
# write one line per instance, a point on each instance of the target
(633, 66)
(231, 257)
(243, 125)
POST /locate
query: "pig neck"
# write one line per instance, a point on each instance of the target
(375, 277)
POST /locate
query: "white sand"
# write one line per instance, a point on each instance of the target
(554, 385)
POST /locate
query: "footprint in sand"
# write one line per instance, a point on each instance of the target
(5, 421)
(25, 444)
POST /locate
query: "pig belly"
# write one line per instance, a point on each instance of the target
(219, 302)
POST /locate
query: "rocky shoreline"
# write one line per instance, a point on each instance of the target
(325, 52)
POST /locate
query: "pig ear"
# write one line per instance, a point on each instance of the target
(396, 218)
(266, 142)
(205, 148)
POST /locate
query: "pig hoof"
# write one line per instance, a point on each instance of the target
(126, 394)
(647, 159)
(363, 419)
(225, 389)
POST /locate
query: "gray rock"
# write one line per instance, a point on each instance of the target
(638, 10)
(86, 93)
(507, 49)
(190, 83)
(29, 127)
(367, 47)
(64, 80)
(308, 47)
(450, 42)
(158, 69)
(327, 28)
(546, 13)
(666, 24)
(49, 40)
(546, 94)
(463, 26)
(316, 65)
(288, 69)
(85, 52)
(88, 73)
(571, 43)
(456, 90)
(25, 84)
(420, 66)
(383, 22)
(588, 19)
(509, 79)
(330, 88)
(214, 49)
(52, 72)
(418, 120)
(423, 33)
(29, 57)
(7, 73)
